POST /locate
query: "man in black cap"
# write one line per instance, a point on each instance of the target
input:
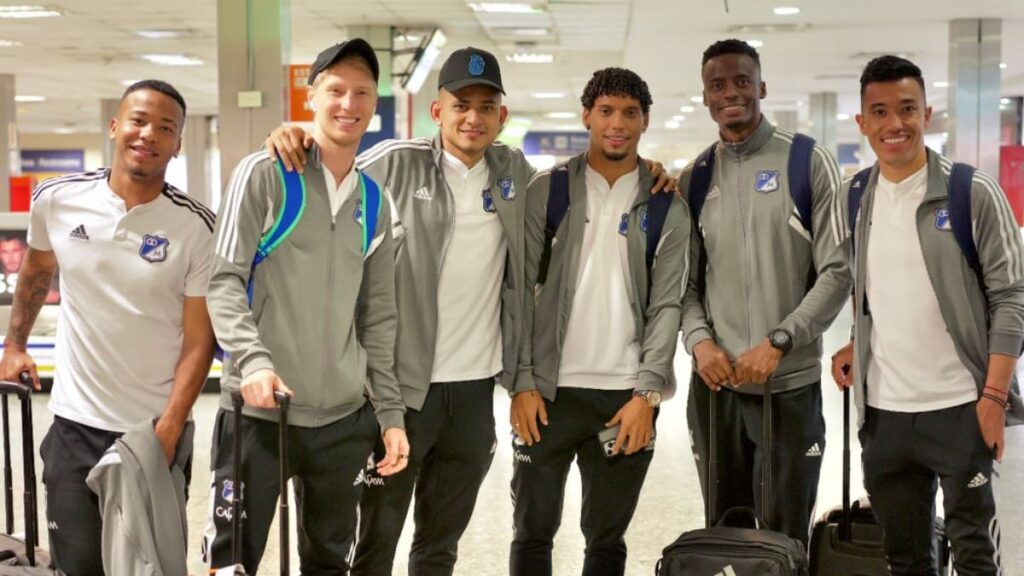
(311, 314)
(460, 303)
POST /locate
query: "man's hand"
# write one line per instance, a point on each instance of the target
(288, 144)
(637, 420)
(527, 408)
(713, 364)
(842, 366)
(15, 361)
(663, 183)
(258, 388)
(396, 452)
(168, 432)
(757, 364)
(992, 422)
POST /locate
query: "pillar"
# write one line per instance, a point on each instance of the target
(975, 46)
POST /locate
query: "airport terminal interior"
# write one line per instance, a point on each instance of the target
(242, 67)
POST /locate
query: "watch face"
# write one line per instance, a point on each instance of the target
(654, 399)
(781, 340)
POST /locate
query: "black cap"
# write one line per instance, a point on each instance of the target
(470, 66)
(356, 46)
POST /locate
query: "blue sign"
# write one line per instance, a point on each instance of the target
(556, 143)
(382, 127)
(53, 161)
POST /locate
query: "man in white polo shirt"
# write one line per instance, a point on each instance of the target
(134, 341)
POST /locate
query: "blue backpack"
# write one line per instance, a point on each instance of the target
(558, 204)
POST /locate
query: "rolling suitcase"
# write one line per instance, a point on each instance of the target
(21, 555)
(236, 569)
(741, 543)
(847, 541)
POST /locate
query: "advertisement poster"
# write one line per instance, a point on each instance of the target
(13, 246)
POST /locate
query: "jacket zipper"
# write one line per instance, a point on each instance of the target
(746, 247)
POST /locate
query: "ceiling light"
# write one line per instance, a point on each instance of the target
(548, 95)
(1004, 100)
(1002, 65)
(172, 59)
(410, 38)
(64, 130)
(755, 43)
(786, 10)
(696, 100)
(672, 124)
(531, 32)
(679, 118)
(940, 84)
(28, 12)
(9, 43)
(159, 34)
(505, 7)
(842, 117)
(687, 109)
(560, 115)
(530, 58)
(29, 99)
(128, 82)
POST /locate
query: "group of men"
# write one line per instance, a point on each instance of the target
(418, 275)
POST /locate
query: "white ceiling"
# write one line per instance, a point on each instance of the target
(83, 56)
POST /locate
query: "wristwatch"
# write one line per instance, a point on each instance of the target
(652, 397)
(780, 340)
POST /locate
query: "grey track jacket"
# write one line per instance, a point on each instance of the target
(760, 259)
(323, 315)
(979, 323)
(412, 173)
(657, 323)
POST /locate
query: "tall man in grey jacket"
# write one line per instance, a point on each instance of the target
(318, 322)
(604, 334)
(936, 340)
(759, 301)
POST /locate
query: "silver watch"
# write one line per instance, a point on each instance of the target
(652, 397)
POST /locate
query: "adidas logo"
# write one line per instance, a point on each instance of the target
(727, 571)
(814, 451)
(79, 233)
(856, 184)
(978, 481)
(423, 194)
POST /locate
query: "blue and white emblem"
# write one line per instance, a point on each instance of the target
(154, 248)
(357, 214)
(476, 64)
(643, 220)
(508, 188)
(624, 224)
(488, 201)
(227, 492)
(942, 219)
(766, 181)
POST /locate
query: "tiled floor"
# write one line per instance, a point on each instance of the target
(670, 502)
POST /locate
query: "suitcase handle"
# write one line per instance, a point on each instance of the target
(741, 517)
(23, 391)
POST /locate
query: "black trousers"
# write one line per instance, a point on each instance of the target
(798, 443)
(906, 456)
(452, 445)
(611, 486)
(326, 466)
(69, 451)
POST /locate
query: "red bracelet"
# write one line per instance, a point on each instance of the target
(996, 399)
(1001, 393)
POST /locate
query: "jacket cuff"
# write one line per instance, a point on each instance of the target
(391, 419)
(650, 381)
(696, 337)
(1005, 344)
(254, 363)
(524, 381)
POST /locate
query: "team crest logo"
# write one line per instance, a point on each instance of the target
(357, 214)
(154, 248)
(624, 224)
(766, 181)
(942, 219)
(476, 64)
(227, 492)
(508, 188)
(488, 201)
(643, 220)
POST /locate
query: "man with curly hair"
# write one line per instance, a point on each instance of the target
(607, 312)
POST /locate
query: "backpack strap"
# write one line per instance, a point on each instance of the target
(293, 205)
(371, 204)
(657, 209)
(558, 205)
(960, 178)
(799, 174)
(857, 187)
(700, 182)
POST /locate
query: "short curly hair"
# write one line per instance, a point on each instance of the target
(890, 68)
(617, 82)
(730, 46)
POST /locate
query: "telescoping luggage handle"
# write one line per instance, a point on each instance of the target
(766, 473)
(845, 533)
(24, 392)
(283, 402)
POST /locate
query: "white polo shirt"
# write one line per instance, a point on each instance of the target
(601, 350)
(124, 279)
(468, 343)
(914, 366)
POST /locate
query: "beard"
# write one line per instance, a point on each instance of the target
(614, 156)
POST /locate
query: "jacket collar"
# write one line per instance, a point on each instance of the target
(578, 169)
(752, 145)
(938, 183)
(497, 162)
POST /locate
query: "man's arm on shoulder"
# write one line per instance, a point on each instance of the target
(826, 298)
